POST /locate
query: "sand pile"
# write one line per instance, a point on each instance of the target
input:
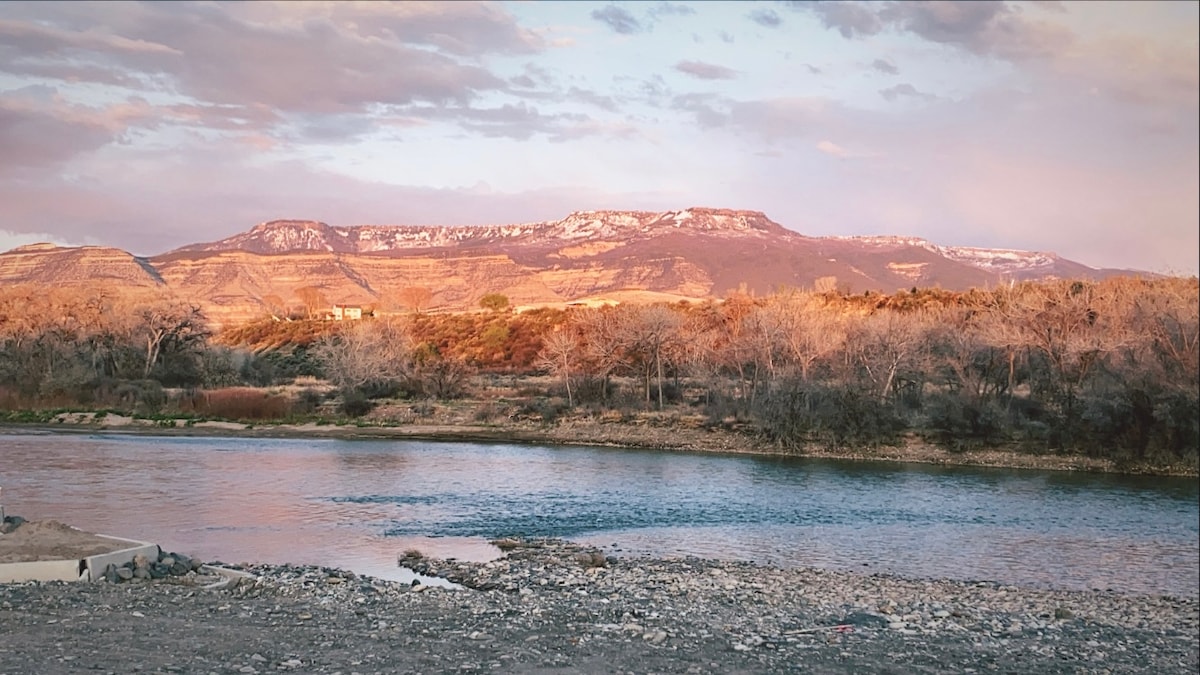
(28, 541)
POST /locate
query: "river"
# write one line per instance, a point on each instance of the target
(358, 504)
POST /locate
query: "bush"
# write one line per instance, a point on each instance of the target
(798, 412)
(355, 403)
(238, 403)
(961, 424)
(545, 410)
(144, 396)
(307, 402)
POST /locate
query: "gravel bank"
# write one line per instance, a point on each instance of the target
(551, 606)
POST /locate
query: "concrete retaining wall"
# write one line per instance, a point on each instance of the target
(90, 568)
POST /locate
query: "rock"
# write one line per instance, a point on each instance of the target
(124, 573)
(864, 620)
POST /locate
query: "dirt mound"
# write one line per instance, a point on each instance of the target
(52, 540)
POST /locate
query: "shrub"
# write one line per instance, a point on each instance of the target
(355, 403)
(545, 410)
(960, 424)
(238, 403)
(307, 401)
(798, 412)
(144, 396)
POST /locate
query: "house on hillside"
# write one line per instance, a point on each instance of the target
(346, 313)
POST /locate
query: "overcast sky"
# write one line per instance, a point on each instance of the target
(1067, 127)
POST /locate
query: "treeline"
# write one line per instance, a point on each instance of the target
(1106, 369)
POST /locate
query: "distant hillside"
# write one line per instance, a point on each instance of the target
(688, 254)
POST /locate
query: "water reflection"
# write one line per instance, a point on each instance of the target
(359, 504)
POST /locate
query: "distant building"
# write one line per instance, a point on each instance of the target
(346, 313)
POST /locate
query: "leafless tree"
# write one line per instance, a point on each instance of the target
(313, 299)
(416, 298)
(366, 351)
(560, 353)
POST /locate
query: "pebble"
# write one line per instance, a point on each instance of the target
(524, 612)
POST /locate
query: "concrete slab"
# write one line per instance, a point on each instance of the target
(42, 570)
(96, 564)
(90, 568)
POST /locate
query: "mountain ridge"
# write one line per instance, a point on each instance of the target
(693, 253)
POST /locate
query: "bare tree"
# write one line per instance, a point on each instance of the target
(812, 330)
(600, 331)
(416, 298)
(366, 351)
(174, 326)
(313, 299)
(559, 354)
(650, 333)
(882, 344)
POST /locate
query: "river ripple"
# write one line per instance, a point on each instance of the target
(358, 503)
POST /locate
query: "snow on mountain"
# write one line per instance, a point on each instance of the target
(998, 260)
(284, 236)
(623, 227)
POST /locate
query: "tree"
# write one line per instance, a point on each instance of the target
(494, 302)
(884, 343)
(365, 352)
(170, 328)
(559, 353)
(416, 298)
(275, 306)
(313, 299)
(649, 333)
(815, 331)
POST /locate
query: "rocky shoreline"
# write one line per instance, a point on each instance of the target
(551, 606)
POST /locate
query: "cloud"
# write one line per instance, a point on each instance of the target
(982, 27)
(39, 130)
(618, 19)
(706, 71)
(851, 19)
(670, 9)
(307, 57)
(831, 148)
(769, 119)
(905, 89)
(726, 37)
(767, 18)
(10, 240)
(469, 29)
(885, 67)
(777, 118)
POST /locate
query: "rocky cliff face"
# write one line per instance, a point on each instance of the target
(53, 265)
(289, 236)
(690, 253)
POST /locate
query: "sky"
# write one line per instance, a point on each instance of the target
(1069, 127)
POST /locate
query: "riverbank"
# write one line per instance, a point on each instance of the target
(676, 433)
(555, 607)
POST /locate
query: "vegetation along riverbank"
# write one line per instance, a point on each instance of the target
(1071, 374)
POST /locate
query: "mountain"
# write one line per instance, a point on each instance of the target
(52, 265)
(692, 253)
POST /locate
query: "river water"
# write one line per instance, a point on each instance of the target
(358, 504)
